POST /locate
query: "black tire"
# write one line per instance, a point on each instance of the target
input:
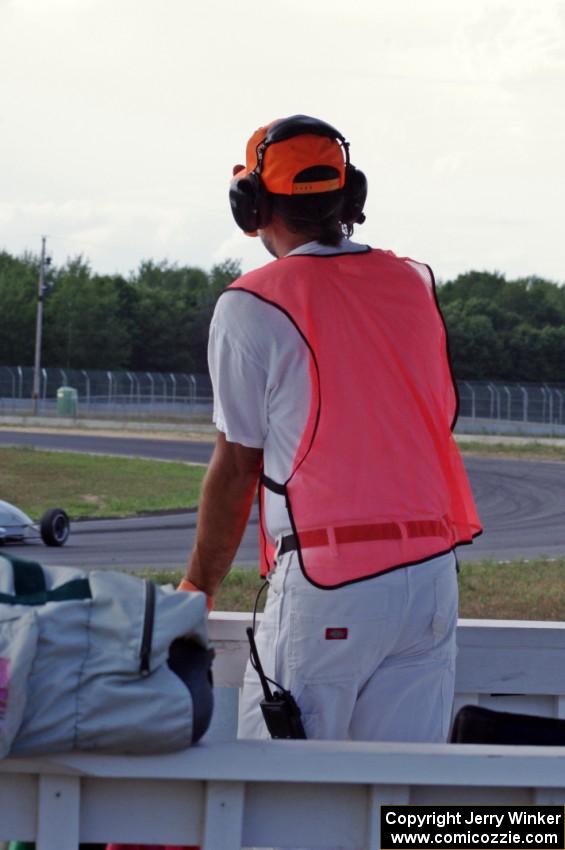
(55, 527)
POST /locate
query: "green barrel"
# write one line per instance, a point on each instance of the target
(67, 401)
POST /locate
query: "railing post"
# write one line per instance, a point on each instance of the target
(58, 812)
(223, 820)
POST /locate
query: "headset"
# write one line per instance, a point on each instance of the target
(250, 201)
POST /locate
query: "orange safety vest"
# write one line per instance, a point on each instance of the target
(377, 481)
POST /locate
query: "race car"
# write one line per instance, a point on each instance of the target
(15, 526)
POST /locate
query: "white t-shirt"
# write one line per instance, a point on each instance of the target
(259, 369)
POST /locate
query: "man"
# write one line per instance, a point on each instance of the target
(332, 385)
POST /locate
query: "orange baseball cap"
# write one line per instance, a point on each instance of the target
(283, 160)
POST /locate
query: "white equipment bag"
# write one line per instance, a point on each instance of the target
(99, 661)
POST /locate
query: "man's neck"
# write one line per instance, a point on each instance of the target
(289, 242)
(279, 240)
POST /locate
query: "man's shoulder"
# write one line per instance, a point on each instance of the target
(247, 280)
(252, 323)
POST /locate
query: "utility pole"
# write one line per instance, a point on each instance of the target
(38, 329)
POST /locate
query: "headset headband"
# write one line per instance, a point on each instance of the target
(298, 125)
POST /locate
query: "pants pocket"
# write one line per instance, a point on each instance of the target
(446, 595)
(321, 652)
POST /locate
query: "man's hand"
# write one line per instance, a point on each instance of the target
(227, 496)
(189, 587)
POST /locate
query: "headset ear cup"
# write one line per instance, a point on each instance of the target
(354, 196)
(243, 202)
(250, 203)
(264, 206)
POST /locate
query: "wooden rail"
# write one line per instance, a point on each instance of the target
(225, 794)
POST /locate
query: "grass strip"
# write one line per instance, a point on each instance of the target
(519, 451)
(95, 485)
(518, 590)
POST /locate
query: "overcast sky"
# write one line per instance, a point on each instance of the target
(121, 120)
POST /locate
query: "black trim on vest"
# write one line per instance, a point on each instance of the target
(273, 485)
(367, 250)
(267, 482)
(262, 528)
(291, 319)
(372, 575)
(447, 351)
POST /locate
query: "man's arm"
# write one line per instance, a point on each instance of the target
(227, 496)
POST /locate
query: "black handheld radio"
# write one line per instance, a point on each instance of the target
(280, 710)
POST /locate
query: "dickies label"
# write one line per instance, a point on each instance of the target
(336, 634)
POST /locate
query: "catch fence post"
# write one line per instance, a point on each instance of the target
(87, 385)
(509, 397)
(130, 379)
(560, 396)
(152, 383)
(525, 402)
(544, 404)
(491, 390)
(193, 399)
(44, 375)
(13, 377)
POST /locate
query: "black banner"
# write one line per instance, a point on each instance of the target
(472, 827)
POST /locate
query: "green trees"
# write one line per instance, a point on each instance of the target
(500, 329)
(18, 293)
(157, 319)
(84, 318)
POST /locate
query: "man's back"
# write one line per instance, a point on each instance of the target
(380, 409)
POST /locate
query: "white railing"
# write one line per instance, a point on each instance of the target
(225, 794)
(507, 664)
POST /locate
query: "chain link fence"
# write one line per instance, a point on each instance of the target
(137, 395)
(484, 405)
(512, 407)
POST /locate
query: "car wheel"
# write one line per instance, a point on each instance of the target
(55, 527)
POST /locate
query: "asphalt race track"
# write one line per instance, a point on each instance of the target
(521, 503)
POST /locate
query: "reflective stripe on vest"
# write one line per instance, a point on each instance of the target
(377, 481)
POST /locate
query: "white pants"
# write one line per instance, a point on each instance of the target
(373, 661)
